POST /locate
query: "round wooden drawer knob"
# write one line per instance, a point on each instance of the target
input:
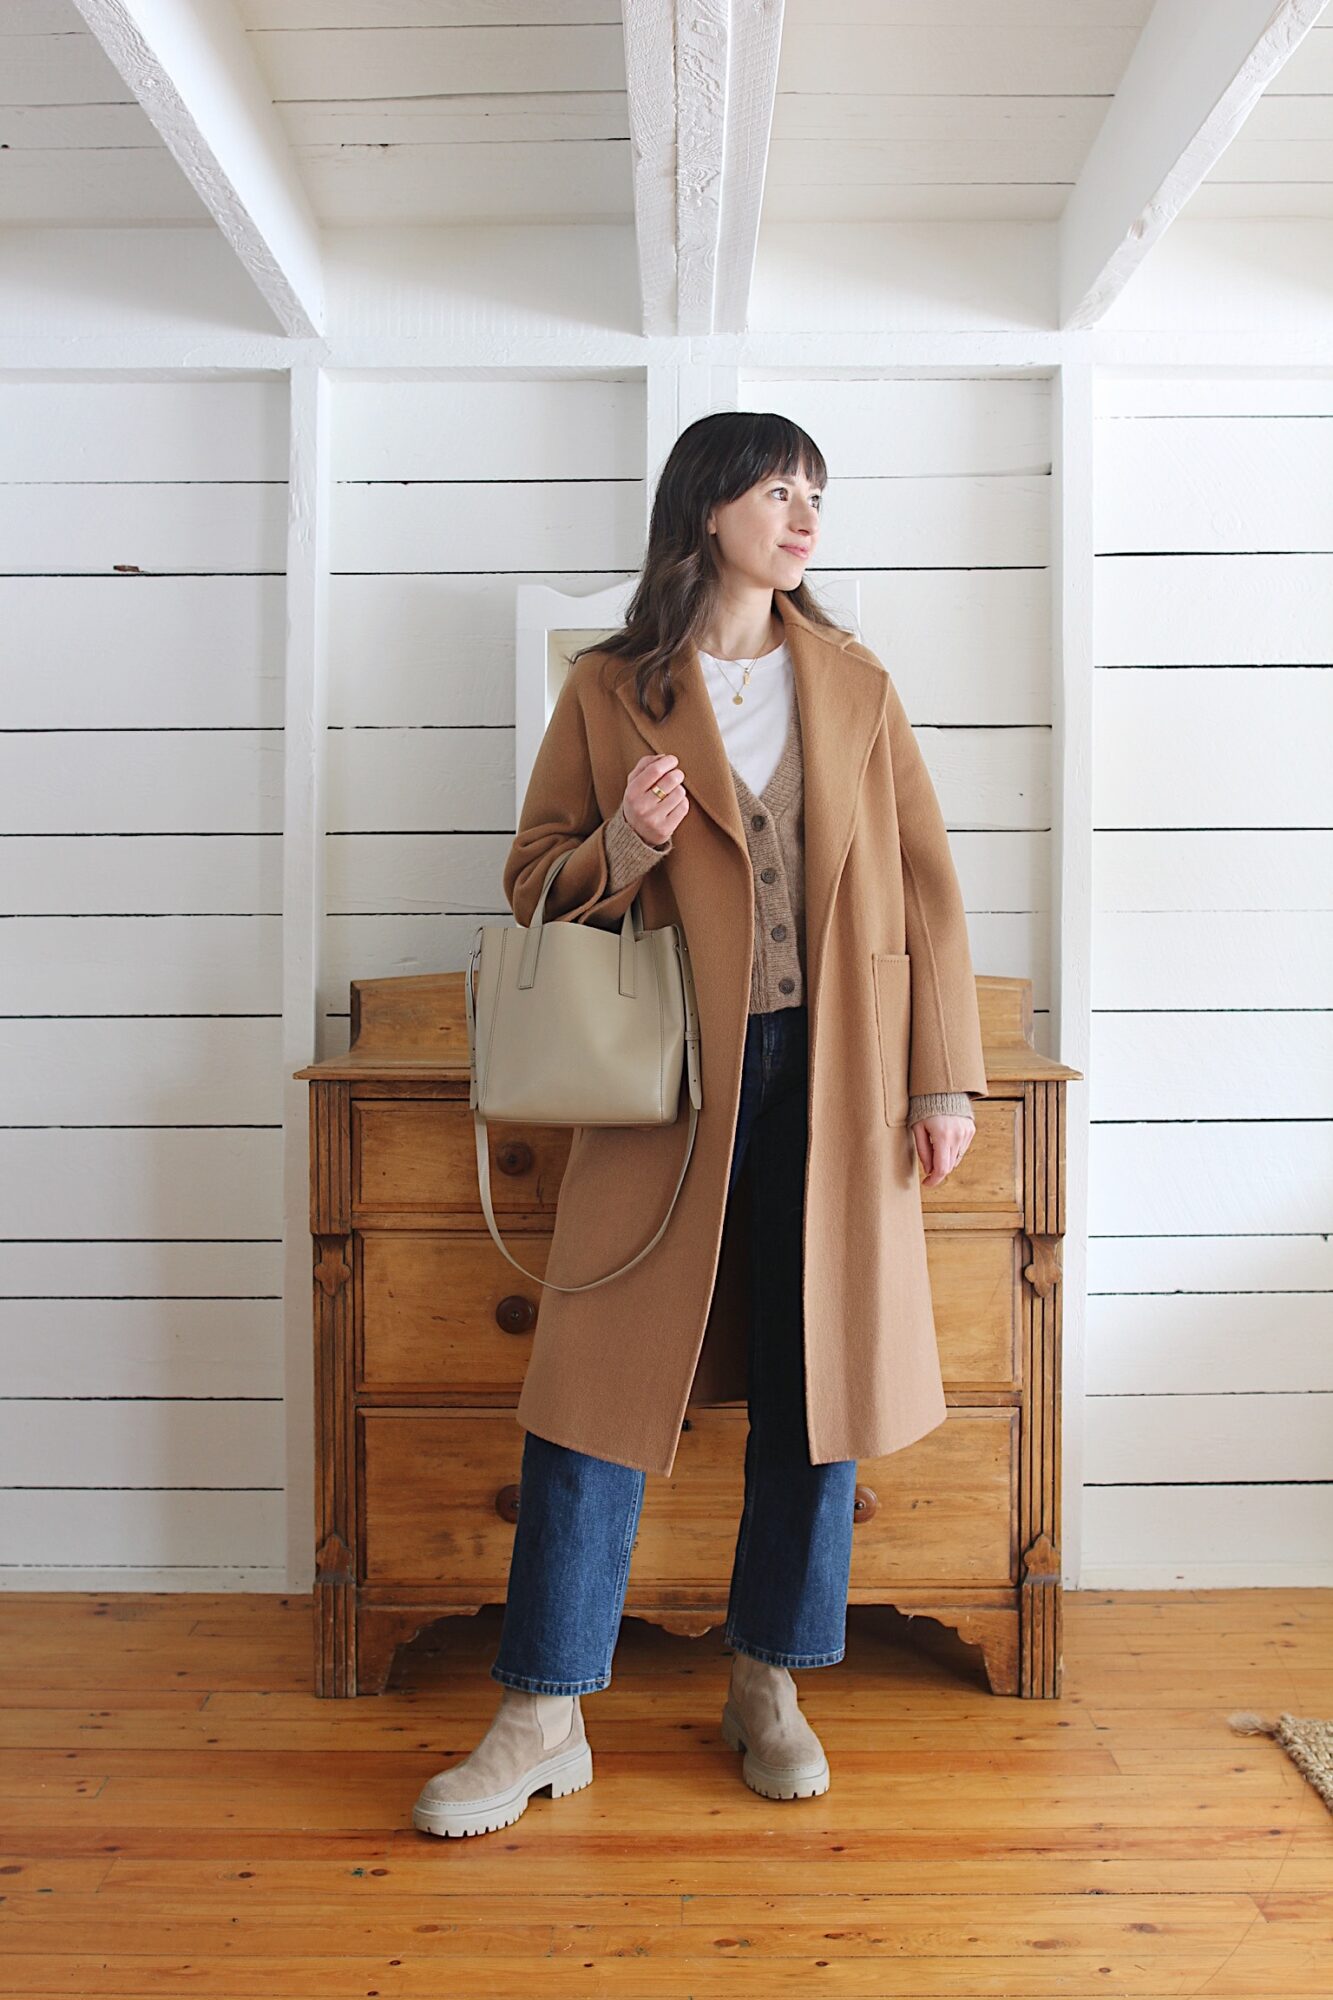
(514, 1156)
(865, 1506)
(506, 1502)
(516, 1314)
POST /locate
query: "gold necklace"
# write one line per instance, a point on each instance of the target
(750, 666)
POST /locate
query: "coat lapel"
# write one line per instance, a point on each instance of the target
(840, 703)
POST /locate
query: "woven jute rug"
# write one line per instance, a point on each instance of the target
(1307, 1741)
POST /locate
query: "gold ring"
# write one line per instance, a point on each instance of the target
(658, 792)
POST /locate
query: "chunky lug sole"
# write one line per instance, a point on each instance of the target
(772, 1781)
(569, 1772)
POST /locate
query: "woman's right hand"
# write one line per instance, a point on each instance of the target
(654, 819)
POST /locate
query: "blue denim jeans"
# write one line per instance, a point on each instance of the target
(578, 1515)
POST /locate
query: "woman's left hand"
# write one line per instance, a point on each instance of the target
(941, 1142)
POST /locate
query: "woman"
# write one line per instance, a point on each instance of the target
(783, 816)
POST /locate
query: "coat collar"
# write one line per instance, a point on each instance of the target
(840, 701)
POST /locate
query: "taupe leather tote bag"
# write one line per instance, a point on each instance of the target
(574, 1024)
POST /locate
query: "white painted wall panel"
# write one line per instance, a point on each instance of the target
(1214, 958)
(154, 1348)
(162, 652)
(1192, 609)
(1264, 734)
(1209, 1365)
(181, 1539)
(1211, 1177)
(189, 1071)
(134, 530)
(155, 1442)
(176, 874)
(1251, 1063)
(147, 1182)
(114, 780)
(1165, 1345)
(452, 523)
(1217, 484)
(113, 431)
(1223, 1536)
(142, 536)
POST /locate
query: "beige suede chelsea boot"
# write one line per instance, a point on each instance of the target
(784, 1759)
(535, 1742)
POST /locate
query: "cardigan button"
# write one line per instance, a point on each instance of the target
(757, 820)
(768, 874)
(786, 985)
(779, 931)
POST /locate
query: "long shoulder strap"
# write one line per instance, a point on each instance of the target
(484, 1183)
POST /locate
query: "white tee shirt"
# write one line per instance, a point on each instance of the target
(755, 732)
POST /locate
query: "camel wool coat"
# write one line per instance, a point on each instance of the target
(891, 1009)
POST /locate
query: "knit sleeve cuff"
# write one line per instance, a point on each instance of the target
(940, 1103)
(628, 857)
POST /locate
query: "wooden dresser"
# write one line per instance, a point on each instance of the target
(422, 1330)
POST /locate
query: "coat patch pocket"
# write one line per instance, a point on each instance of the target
(893, 1018)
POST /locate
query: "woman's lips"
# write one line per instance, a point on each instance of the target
(793, 550)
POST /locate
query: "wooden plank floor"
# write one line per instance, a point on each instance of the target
(182, 1816)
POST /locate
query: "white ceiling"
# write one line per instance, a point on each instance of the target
(495, 111)
(78, 148)
(953, 109)
(445, 111)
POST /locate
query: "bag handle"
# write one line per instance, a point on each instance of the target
(631, 928)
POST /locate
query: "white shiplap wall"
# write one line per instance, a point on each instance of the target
(142, 540)
(447, 494)
(939, 499)
(1209, 1361)
(141, 1323)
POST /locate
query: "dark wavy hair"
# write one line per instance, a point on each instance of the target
(713, 461)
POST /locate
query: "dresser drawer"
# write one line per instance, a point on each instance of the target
(445, 1311)
(938, 1512)
(438, 1310)
(942, 1510)
(976, 1291)
(419, 1155)
(989, 1177)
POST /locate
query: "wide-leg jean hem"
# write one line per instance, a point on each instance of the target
(531, 1686)
(782, 1659)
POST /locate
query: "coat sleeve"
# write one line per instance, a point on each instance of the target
(561, 815)
(945, 1049)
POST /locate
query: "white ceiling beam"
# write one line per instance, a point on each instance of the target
(701, 79)
(189, 65)
(1194, 77)
(650, 83)
(752, 87)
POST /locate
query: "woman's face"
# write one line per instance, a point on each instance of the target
(768, 535)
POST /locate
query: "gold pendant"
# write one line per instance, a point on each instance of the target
(736, 700)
